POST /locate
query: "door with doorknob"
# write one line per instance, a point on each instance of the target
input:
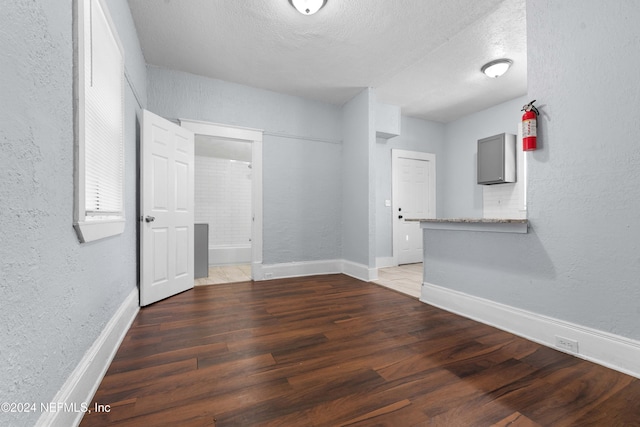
(414, 183)
(166, 206)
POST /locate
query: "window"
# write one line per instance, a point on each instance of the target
(99, 124)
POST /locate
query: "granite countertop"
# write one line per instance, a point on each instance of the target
(497, 225)
(470, 220)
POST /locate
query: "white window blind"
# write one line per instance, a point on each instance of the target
(100, 145)
(103, 118)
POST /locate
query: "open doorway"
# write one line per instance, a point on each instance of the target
(413, 183)
(227, 203)
(222, 209)
(406, 278)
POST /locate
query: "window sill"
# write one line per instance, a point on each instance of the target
(89, 231)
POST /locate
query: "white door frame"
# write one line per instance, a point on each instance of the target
(396, 154)
(253, 136)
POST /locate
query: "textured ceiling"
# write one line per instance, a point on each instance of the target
(423, 55)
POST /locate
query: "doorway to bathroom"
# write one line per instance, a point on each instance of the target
(222, 209)
(227, 210)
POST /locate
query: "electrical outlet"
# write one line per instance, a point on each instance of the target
(567, 344)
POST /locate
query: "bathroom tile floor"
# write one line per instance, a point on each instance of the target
(404, 278)
(226, 274)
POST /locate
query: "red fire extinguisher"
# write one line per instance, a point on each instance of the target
(529, 126)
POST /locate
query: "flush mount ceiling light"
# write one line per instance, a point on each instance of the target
(496, 68)
(308, 7)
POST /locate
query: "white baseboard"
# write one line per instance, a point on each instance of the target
(359, 271)
(299, 269)
(257, 272)
(384, 262)
(311, 268)
(613, 351)
(83, 382)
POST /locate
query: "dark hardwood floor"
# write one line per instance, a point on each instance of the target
(334, 351)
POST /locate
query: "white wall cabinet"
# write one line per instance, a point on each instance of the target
(387, 121)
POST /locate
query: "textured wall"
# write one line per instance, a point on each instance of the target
(302, 191)
(416, 135)
(301, 157)
(463, 196)
(56, 294)
(584, 190)
(358, 181)
(580, 261)
(135, 65)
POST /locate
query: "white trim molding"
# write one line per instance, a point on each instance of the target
(221, 130)
(88, 231)
(359, 271)
(312, 268)
(253, 136)
(384, 262)
(83, 382)
(610, 350)
(300, 269)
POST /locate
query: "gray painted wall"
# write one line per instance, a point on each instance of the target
(308, 168)
(580, 262)
(462, 195)
(56, 294)
(135, 65)
(415, 135)
(302, 203)
(302, 151)
(358, 180)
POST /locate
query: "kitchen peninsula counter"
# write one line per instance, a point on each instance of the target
(495, 225)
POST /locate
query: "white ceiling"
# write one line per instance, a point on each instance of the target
(423, 55)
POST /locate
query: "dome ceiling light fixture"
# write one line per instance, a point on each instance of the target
(496, 68)
(308, 7)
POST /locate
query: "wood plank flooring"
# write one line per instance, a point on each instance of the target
(335, 351)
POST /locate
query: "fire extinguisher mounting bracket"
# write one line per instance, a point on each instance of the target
(531, 107)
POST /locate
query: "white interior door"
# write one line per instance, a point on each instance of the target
(166, 192)
(413, 197)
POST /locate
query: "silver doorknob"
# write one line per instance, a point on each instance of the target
(150, 218)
